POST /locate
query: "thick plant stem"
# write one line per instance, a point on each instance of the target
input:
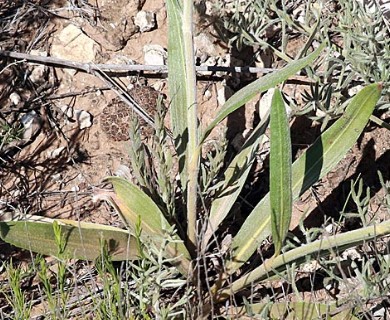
(192, 121)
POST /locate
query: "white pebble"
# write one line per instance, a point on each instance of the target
(15, 98)
(145, 20)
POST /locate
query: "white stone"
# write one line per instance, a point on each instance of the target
(265, 103)
(31, 123)
(145, 20)
(84, 119)
(207, 95)
(354, 90)
(204, 45)
(15, 98)
(223, 94)
(39, 71)
(52, 154)
(154, 54)
(329, 228)
(57, 177)
(67, 110)
(38, 74)
(72, 44)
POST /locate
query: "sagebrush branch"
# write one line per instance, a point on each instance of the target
(91, 67)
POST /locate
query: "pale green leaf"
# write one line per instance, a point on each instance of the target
(177, 81)
(82, 240)
(132, 203)
(318, 160)
(299, 255)
(280, 171)
(261, 85)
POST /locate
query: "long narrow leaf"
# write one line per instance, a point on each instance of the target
(263, 84)
(177, 84)
(81, 241)
(235, 177)
(132, 203)
(182, 89)
(318, 160)
(280, 172)
(299, 255)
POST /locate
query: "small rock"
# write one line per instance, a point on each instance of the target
(72, 44)
(75, 189)
(265, 103)
(15, 98)
(207, 95)
(67, 111)
(204, 45)
(52, 154)
(354, 90)
(57, 177)
(329, 228)
(145, 20)
(223, 94)
(31, 123)
(39, 72)
(378, 313)
(84, 119)
(155, 54)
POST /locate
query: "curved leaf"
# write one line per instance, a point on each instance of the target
(132, 203)
(299, 255)
(313, 164)
(263, 84)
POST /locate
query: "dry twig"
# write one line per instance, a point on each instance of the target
(120, 68)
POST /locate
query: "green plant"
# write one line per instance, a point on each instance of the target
(136, 289)
(9, 133)
(143, 208)
(15, 296)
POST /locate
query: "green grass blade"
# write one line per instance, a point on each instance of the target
(318, 160)
(280, 172)
(263, 84)
(299, 255)
(81, 240)
(131, 203)
(235, 177)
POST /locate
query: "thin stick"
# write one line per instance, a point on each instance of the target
(90, 67)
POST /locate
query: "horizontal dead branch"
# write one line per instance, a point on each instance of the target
(91, 67)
